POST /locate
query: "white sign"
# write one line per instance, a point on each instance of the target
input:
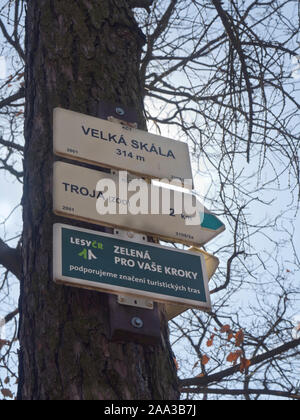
(80, 193)
(106, 144)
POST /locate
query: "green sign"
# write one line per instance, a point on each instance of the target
(104, 262)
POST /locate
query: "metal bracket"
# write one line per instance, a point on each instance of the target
(134, 301)
(125, 124)
(124, 234)
(129, 324)
(124, 114)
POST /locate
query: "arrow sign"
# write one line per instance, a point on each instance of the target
(211, 264)
(106, 144)
(127, 267)
(85, 194)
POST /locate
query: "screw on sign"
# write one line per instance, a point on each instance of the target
(136, 322)
(120, 111)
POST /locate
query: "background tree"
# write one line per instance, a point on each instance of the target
(222, 75)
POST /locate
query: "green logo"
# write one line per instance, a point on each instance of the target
(87, 254)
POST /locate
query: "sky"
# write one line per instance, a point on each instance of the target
(10, 189)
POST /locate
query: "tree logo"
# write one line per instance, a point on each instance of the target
(87, 254)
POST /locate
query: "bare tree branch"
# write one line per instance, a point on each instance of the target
(160, 28)
(217, 377)
(11, 316)
(13, 40)
(11, 170)
(239, 392)
(15, 97)
(11, 145)
(237, 44)
(11, 259)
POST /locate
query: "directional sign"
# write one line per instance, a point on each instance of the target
(76, 196)
(211, 264)
(98, 261)
(108, 144)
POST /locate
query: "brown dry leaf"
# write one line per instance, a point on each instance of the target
(245, 364)
(211, 341)
(225, 329)
(234, 356)
(239, 338)
(205, 360)
(7, 393)
(231, 357)
(230, 336)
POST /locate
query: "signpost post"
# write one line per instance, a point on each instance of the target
(106, 144)
(102, 262)
(75, 195)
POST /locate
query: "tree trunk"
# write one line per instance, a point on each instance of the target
(77, 52)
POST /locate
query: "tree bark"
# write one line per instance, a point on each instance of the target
(77, 52)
